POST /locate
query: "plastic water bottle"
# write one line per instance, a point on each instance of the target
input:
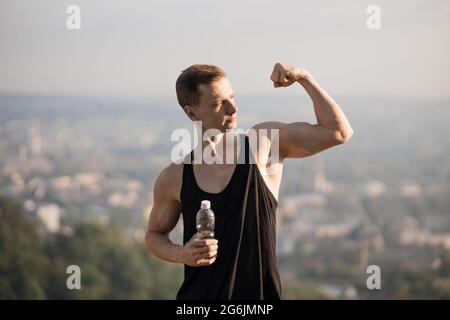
(205, 219)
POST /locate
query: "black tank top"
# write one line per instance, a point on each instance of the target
(246, 265)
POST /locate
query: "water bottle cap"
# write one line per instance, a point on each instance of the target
(205, 204)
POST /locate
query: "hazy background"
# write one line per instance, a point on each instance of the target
(139, 47)
(86, 118)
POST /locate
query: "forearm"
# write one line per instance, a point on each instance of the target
(328, 113)
(161, 246)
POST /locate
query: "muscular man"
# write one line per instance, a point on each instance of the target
(240, 263)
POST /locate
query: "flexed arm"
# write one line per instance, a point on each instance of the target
(301, 139)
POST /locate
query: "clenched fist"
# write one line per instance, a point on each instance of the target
(283, 75)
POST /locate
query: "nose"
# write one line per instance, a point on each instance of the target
(231, 108)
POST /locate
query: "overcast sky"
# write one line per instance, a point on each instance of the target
(138, 48)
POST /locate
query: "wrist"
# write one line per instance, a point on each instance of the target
(303, 77)
(178, 254)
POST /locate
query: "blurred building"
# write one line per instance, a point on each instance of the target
(50, 216)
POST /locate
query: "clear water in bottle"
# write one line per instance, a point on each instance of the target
(205, 219)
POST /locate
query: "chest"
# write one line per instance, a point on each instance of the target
(213, 178)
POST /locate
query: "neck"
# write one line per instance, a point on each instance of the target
(218, 146)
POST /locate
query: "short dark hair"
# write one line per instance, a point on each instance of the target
(191, 78)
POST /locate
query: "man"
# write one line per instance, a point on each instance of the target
(240, 263)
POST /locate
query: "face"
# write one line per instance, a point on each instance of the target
(216, 108)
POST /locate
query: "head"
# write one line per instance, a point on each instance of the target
(206, 95)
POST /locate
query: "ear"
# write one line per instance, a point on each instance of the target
(190, 112)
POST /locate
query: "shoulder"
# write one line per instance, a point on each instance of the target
(268, 125)
(169, 180)
(263, 137)
(265, 133)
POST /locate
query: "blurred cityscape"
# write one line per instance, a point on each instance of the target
(383, 198)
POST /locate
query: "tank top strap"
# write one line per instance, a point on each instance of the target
(247, 149)
(243, 149)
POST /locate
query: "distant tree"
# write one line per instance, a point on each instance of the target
(444, 268)
(113, 266)
(300, 290)
(22, 265)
